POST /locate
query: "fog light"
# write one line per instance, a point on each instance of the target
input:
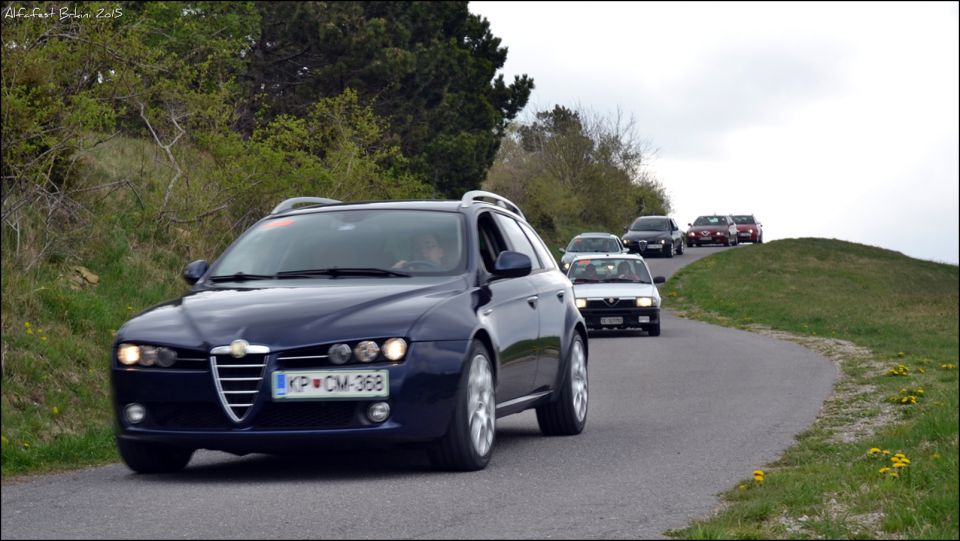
(339, 353)
(366, 351)
(134, 413)
(378, 412)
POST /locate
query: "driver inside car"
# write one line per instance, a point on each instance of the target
(428, 254)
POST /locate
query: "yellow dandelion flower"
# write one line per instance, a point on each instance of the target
(900, 455)
(884, 470)
(919, 390)
(894, 474)
(886, 452)
(29, 331)
(899, 465)
(904, 460)
(26, 445)
(44, 338)
(26, 324)
(873, 451)
(935, 456)
(758, 472)
(895, 459)
(742, 487)
(900, 354)
(921, 370)
(56, 410)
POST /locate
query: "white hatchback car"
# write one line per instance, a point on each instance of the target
(616, 291)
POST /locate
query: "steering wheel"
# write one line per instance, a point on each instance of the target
(427, 265)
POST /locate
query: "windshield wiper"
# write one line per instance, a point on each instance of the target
(241, 277)
(341, 271)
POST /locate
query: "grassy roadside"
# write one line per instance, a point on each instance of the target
(891, 323)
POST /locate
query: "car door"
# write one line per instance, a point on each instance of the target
(551, 288)
(508, 308)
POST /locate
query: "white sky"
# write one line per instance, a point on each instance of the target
(835, 120)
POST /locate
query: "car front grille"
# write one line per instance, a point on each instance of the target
(604, 304)
(238, 382)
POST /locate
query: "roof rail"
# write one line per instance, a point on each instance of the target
(289, 203)
(477, 195)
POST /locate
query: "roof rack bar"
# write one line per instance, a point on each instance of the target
(477, 195)
(290, 203)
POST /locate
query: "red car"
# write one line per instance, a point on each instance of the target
(712, 230)
(748, 228)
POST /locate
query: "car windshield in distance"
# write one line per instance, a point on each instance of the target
(650, 224)
(585, 271)
(744, 220)
(594, 244)
(354, 243)
(709, 220)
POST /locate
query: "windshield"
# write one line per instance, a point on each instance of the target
(350, 242)
(584, 271)
(594, 244)
(710, 220)
(650, 224)
(744, 220)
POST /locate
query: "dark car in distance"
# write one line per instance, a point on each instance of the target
(654, 235)
(748, 228)
(356, 324)
(713, 229)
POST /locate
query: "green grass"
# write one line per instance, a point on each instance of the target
(899, 311)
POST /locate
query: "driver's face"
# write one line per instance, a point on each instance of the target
(430, 249)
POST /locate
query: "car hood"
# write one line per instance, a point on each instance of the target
(286, 317)
(619, 290)
(646, 235)
(570, 256)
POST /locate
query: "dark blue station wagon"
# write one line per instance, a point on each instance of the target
(356, 324)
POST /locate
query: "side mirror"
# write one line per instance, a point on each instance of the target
(194, 271)
(689, 225)
(659, 279)
(511, 265)
(563, 251)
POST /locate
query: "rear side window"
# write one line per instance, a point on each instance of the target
(545, 256)
(519, 241)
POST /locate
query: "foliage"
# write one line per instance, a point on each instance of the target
(428, 67)
(567, 167)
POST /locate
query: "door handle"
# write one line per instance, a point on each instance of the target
(532, 301)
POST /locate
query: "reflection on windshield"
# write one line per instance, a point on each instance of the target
(744, 220)
(376, 244)
(709, 220)
(584, 271)
(650, 224)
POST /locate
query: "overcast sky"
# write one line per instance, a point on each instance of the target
(836, 120)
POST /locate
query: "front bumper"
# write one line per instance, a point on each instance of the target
(747, 236)
(630, 317)
(713, 238)
(184, 409)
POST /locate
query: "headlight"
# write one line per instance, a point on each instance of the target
(750, 231)
(394, 349)
(581, 303)
(366, 351)
(664, 241)
(339, 353)
(646, 302)
(691, 234)
(566, 266)
(128, 354)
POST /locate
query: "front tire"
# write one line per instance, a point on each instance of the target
(568, 414)
(468, 443)
(148, 457)
(654, 330)
(670, 252)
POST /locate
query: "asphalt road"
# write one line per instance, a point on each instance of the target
(673, 420)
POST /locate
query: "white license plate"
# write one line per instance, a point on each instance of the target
(643, 319)
(744, 234)
(325, 384)
(611, 321)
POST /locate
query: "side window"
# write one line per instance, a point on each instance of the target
(518, 240)
(545, 256)
(489, 240)
(673, 224)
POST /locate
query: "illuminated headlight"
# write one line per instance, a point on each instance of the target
(722, 234)
(394, 349)
(664, 242)
(128, 354)
(581, 303)
(339, 353)
(366, 351)
(691, 234)
(646, 302)
(750, 231)
(566, 266)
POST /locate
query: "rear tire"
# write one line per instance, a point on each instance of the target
(568, 414)
(680, 249)
(148, 457)
(468, 443)
(670, 252)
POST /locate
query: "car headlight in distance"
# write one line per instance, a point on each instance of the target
(581, 303)
(394, 349)
(366, 351)
(128, 354)
(566, 266)
(645, 302)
